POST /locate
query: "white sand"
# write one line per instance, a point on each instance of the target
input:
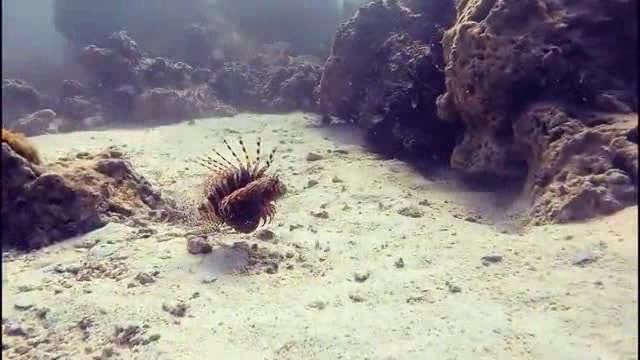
(534, 304)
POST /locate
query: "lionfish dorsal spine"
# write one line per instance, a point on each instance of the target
(271, 156)
(211, 163)
(256, 165)
(258, 145)
(224, 159)
(268, 163)
(244, 151)
(235, 156)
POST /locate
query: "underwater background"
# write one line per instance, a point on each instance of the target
(319, 179)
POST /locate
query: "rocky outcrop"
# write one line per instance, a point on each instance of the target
(114, 63)
(200, 46)
(237, 84)
(18, 99)
(77, 107)
(529, 80)
(134, 87)
(580, 165)
(40, 122)
(531, 91)
(164, 73)
(119, 62)
(38, 208)
(126, 85)
(74, 107)
(385, 73)
(163, 106)
(45, 204)
(266, 86)
(21, 145)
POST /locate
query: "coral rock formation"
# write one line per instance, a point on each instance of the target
(578, 170)
(38, 123)
(40, 208)
(127, 85)
(19, 143)
(135, 87)
(161, 105)
(270, 82)
(385, 73)
(18, 99)
(42, 205)
(525, 78)
(532, 91)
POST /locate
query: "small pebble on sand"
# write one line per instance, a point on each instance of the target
(318, 305)
(144, 278)
(361, 276)
(491, 259)
(357, 297)
(314, 157)
(411, 211)
(12, 328)
(265, 235)
(198, 245)
(453, 288)
(320, 214)
(584, 258)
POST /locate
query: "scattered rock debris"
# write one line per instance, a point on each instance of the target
(411, 211)
(145, 278)
(178, 308)
(130, 335)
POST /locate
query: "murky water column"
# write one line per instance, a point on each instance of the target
(4, 271)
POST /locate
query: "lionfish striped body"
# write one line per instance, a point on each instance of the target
(240, 195)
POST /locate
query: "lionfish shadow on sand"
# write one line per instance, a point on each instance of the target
(238, 194)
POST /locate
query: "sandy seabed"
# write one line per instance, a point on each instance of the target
(378, 262)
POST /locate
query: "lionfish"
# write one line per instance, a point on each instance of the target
(240, 194)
